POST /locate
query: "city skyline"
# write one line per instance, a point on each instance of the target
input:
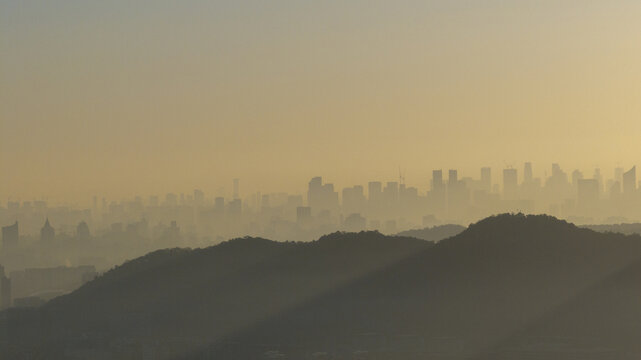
(448, 195)
(226, 188)
(104, 97)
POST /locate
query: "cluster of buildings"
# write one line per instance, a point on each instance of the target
(35, 235)
(389, 206)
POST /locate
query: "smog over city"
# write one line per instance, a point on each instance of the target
(320, 180)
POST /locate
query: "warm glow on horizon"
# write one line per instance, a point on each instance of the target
(120, 98)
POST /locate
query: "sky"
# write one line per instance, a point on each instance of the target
(121, 98)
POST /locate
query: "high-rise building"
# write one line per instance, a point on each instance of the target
(486, 179)
(438, 194)
(457, 194)
(10, 236)
(630, 181)
(47, 233)
(374, 191)
(390, 193)
(510, 184)
(321, 196)
(82, 231)
(199, 197)
(599, 178)
(618, 174)
(353, 200)
(303, 215)
(576, 176)
(234, 209)
(314, 190)
(219, 205)
(452, 177)
(5, 290)
(437, 180)
(527, 173)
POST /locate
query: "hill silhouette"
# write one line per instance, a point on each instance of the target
(627, 229)
(435, 233)
(191, 297)
(509, 286)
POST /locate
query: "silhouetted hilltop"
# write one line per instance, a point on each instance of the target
(435, 233)
(510, 286)
(201, 295)
(627, 229)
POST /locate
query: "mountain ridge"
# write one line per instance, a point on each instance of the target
(483, 287)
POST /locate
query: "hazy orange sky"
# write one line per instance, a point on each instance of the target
(118, 98)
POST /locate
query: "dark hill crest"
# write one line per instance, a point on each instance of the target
(481, 288)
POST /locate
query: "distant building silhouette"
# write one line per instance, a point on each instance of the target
(5, 290)
(486, 179)
(321, 196)
(82, 231)
(355, 223)
(303, 215)
(199, 197)
(219, 205)
(576, 176)
(452, 177)
(510, 184)
(390, 194)
(10, 237)
(630, 181)
(47, 233)
(527, 173)
(235, 209)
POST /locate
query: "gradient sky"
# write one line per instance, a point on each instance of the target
(118, 98)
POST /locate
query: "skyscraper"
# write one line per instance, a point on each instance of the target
(527, 173)
(303, 215)
(374, 191)
(486, 179)
(437, 180)
(510, 184)
(199, 197)
(618, 174)
(314, 188)
(452, 179)
(82, 231)
(438, 194)
(10, 236)
(5, 290)
(219, 205)
(630, 181)
(321, 196)
(47, 233)
(390, 193)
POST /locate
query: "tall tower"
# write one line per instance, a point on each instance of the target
(5, 290)
(510, 184)
(10, 236)
(527, 173)
(630, 181)
(437, 180)
(486, 179)
(47, 233)
(452, 177)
